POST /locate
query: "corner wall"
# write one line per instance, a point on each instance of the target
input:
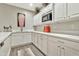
(8, 16)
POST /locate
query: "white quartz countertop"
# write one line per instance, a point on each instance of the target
(64, 36)
(4, 35)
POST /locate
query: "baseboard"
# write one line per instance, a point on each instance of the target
(39, 49)
(8, 54)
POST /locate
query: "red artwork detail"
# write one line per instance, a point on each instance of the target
(21, 20)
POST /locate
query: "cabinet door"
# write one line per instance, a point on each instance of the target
(36, 40)
(27, 37)
(47, 8)
(44, 44)
(17, 39)
(21, 38)
(5, 49)
(69, 48)
(60, 11)
(39, 41)
(52, 47)
(71, 52)
(38, 18)
(62, 51)
(33, 38)
(73, 9)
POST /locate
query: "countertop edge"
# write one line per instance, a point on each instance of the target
(64, 36)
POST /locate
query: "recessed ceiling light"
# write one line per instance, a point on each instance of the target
(31, 4)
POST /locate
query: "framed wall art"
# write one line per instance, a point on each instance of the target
(20, 20)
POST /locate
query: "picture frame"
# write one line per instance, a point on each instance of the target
(20, 20)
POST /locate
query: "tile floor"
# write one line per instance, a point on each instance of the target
(26, 50)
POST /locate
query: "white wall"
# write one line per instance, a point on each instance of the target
(71, 27)
(8, 16)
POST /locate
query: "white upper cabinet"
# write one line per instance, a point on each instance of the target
(37, 19)
(60, 11)
(73, 9)
(47, 8)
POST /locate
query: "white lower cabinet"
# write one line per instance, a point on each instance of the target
(39, 42)
(49, 45)
(71, 48)
(68, 48)
(35, 40)
(5, 49)
(27, 37)
(71, 52)
(20, 38)
(55, 47)
(17, 39)
(44, 43)
(52, 47)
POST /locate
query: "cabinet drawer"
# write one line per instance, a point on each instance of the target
(45, 36)
(70, 44)
(27, 36)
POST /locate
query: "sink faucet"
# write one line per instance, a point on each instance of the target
(6, 29)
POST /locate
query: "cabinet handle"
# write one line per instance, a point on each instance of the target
(62, 47)
(58, 50)
(1, 44)
(41, 38)
(63, 51)
(58, 46)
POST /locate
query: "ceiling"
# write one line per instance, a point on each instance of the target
(28, 6)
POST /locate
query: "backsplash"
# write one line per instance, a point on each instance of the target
(70, 27)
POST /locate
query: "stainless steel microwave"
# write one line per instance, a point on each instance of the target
(47, 17)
